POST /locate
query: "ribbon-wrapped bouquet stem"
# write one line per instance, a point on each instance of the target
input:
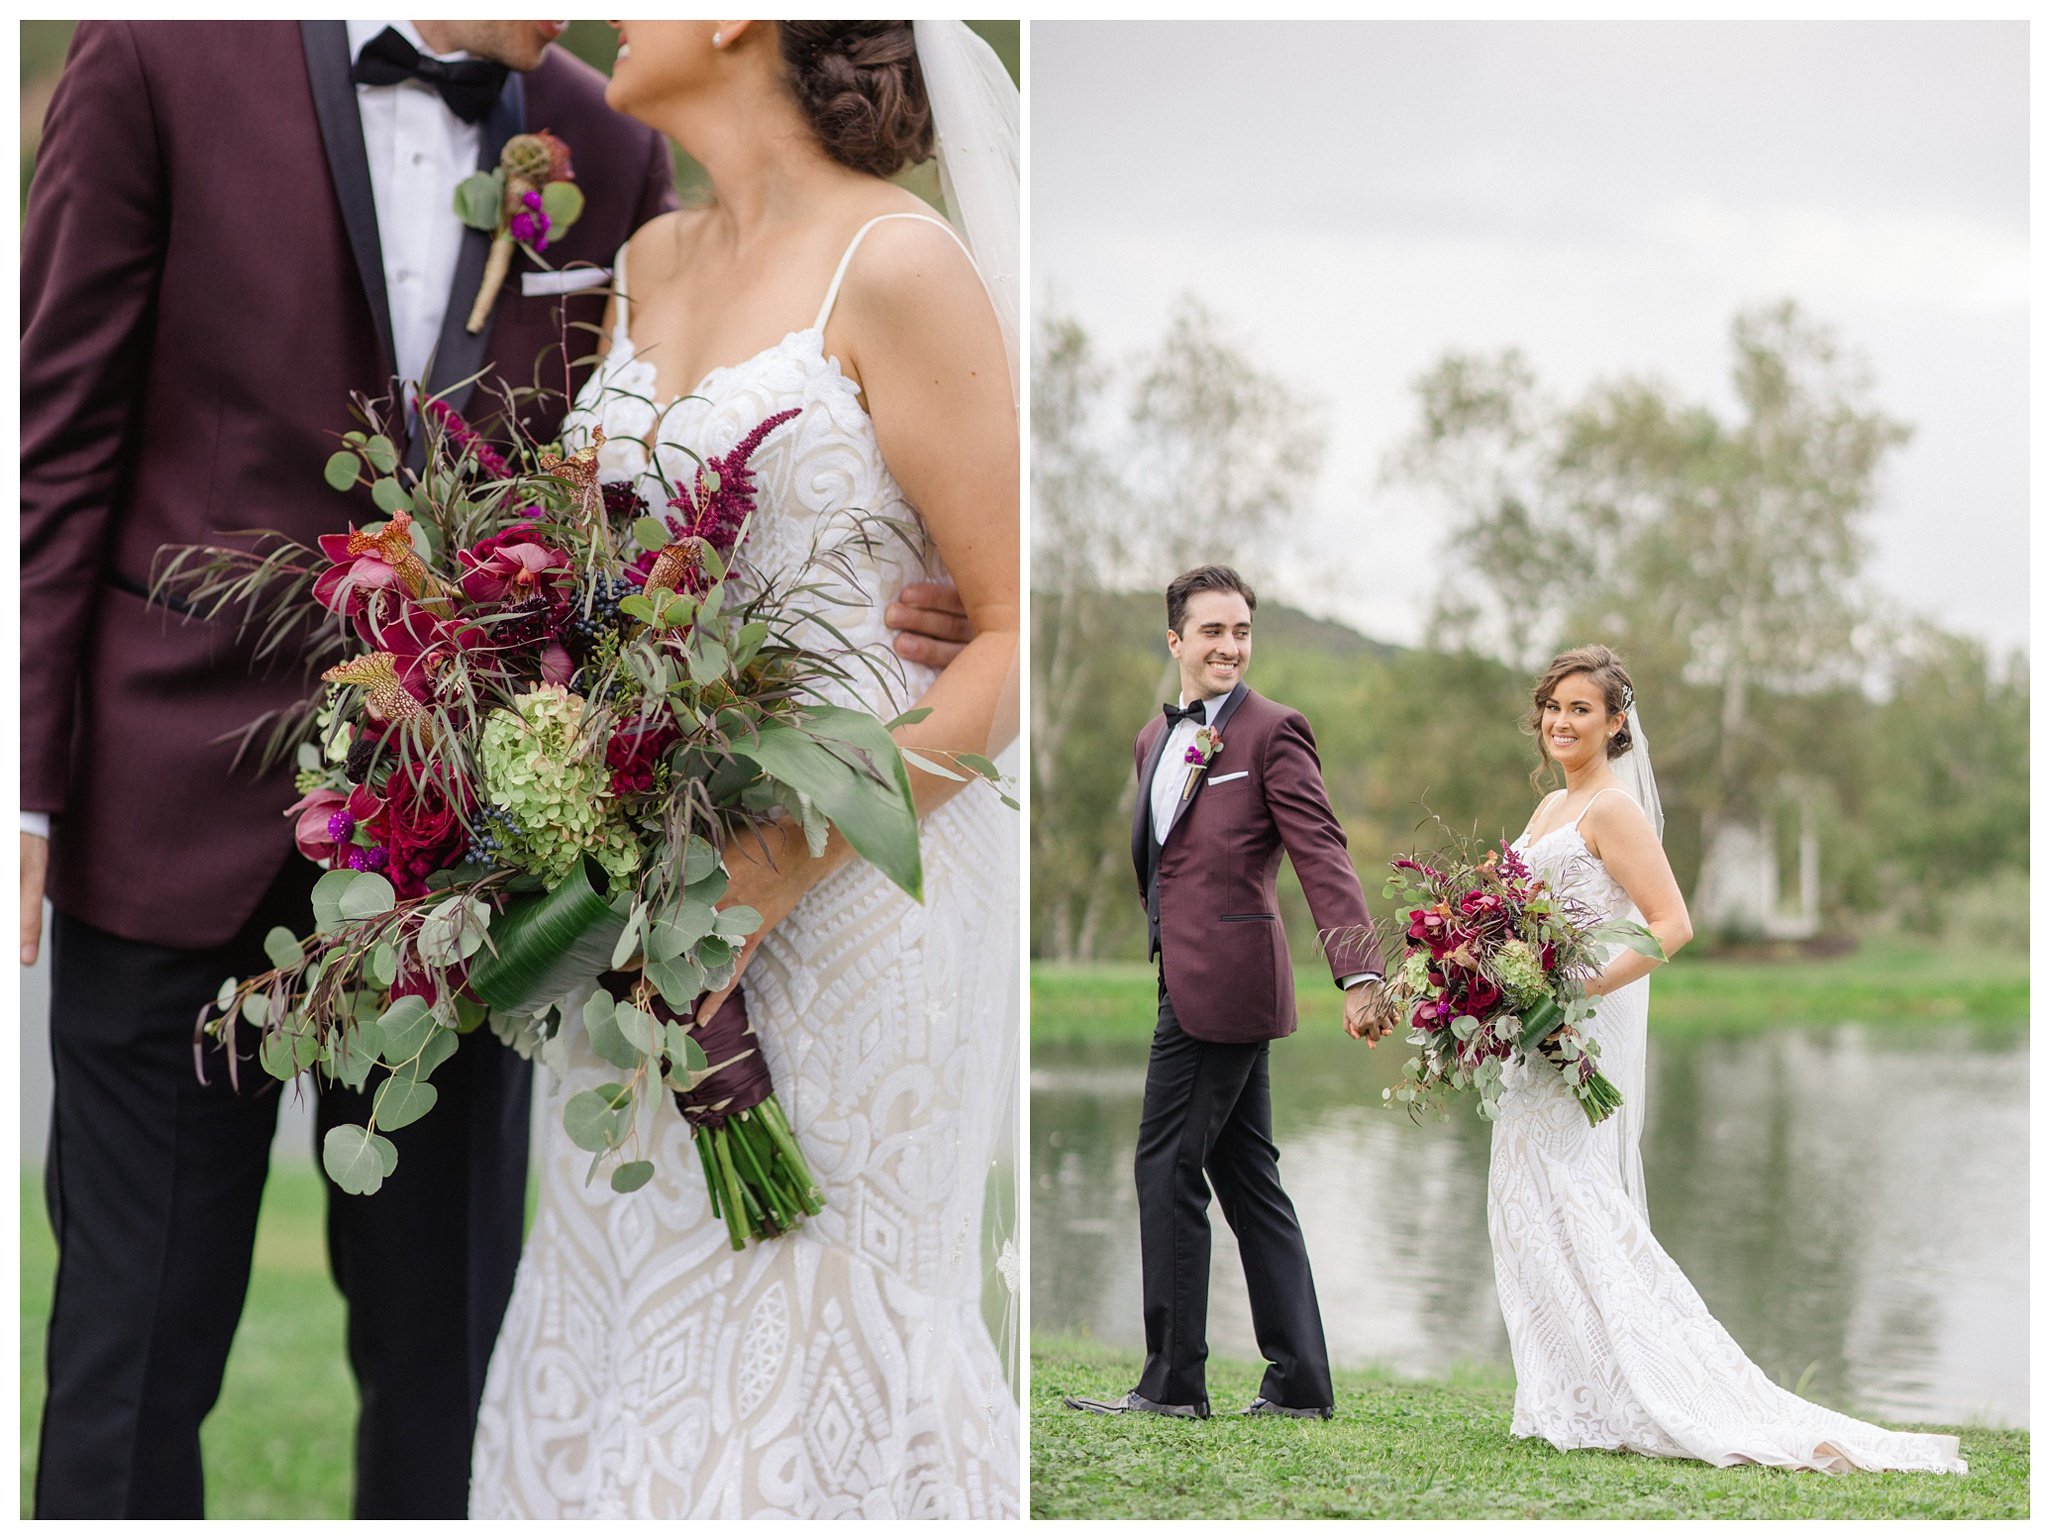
(548, 709)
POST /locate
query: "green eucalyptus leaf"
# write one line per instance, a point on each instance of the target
(700, 860)
(282, 948)
(401, 1100)
(632, 1176)
(389, 495)
(479, 200)
(737, 921)
(687, 923)
(592, 1118)
(327, 899)
(367, 896)
(650, 533)
(679, 981)
(383, 458)
(601, 1028)
(631, 938)
(563, 203)
(341, 470)
(279, 1055)
(356, 1160)
(683, 1049)
(639, 1028)
(405, 1026)
(435, 1052)
(381, 966)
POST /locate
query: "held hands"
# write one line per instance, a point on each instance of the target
(35, 864)
(931, 624)
(1370, 1011)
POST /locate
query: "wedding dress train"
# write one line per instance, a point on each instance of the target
(1612, 1346)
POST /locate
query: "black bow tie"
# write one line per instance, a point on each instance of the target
(469, 86)
(1193, 712)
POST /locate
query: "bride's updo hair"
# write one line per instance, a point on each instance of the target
(1602, 666)
(861, 92)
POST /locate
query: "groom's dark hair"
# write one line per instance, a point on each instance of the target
(1203, 580)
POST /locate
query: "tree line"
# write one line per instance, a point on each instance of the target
(1723, 556)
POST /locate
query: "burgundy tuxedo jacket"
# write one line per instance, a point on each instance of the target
(1222, 949)
(202, 293)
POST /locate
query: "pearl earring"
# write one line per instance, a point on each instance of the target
(718, 40)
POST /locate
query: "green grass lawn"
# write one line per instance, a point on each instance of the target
(1407, 1449)
(1112, 1003)
(279, 1443)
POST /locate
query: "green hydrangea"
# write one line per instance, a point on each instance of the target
(1519, 972)
(1415, 977)
(547, 771)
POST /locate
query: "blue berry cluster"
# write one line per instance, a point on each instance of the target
(604, 609)
(495, 827)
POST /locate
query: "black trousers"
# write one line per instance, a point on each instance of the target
(153, 1182)
(1207, 1115)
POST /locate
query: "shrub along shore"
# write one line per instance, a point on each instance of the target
(1880, 986)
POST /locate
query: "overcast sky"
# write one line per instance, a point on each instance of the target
(1356, 198)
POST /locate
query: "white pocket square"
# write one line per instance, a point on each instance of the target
(1236, 775)
(568, 281)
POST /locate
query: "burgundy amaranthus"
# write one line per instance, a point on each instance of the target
(717, 515)
(710, 515)
(490, 463)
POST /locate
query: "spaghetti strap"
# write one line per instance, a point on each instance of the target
(847, 256)
(1592, 800)
(619, 293)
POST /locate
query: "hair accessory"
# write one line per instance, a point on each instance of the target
(1629, 697)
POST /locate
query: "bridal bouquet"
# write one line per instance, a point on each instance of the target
(1494, 969)
(549, 709)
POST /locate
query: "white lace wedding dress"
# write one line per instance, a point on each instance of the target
(647, 1370)
(1612, 1346)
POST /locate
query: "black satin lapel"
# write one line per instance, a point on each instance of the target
(458, 354)
(1232, 702)
(1142, 815)
(341, 132)
(1224, 714)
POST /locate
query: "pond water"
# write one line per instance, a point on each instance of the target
(1852, 1203)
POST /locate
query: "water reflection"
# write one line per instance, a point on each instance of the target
(1851, 1202)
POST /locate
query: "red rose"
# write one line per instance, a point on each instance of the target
(422, 833)
(632, 753)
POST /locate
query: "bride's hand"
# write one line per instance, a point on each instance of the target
(769, 871)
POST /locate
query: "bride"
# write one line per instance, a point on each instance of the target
(1612, 1347)
(843, 1370)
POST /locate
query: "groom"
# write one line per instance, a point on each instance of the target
(233, 226)
(1228, 781)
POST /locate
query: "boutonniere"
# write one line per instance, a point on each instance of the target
(1208, 741)
(532, 198)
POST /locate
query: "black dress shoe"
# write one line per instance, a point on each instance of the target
(1132, 1401)
(1262, 1407)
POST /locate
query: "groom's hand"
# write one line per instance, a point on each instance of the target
(35, 863)
(1369, 1011)
(931, 624)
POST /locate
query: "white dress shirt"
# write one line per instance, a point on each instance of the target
(1172, 774)
(418, 151)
